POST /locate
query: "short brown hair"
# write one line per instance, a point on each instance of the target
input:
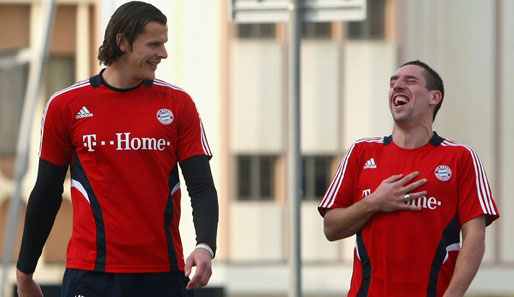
(129, 19)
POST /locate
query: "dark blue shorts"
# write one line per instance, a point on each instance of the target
(81, 283)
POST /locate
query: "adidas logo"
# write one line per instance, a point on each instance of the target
(370, 164)
(83, 113)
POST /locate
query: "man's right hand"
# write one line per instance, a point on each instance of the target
(390, 194)
(27, 287)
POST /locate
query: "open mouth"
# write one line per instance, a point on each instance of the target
(153, 64)
(400, 100)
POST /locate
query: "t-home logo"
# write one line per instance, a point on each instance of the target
(424, 202)
(124, 142)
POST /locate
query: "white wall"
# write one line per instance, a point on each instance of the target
(506, 174)
(257, 96)
(315, 246)
(367, 68)
(257, 232)
(320, 97)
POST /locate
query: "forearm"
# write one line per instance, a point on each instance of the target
(204, 199)
(469, 258)
(27, 287)
(44, 202)
(340, 223)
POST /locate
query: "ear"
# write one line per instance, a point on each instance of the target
(122, 43)
(436, 97)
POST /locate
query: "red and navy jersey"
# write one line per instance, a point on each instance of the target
(407, 253)
(123, 147)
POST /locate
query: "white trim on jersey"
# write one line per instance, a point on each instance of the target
(78, 85)
(331, 194)
(483, 189)
(163, 83)
(175, 189)
(357, 249)
(451, 248)
(205, 145)
(77, 185)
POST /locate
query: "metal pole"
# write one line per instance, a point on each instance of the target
(39, 53)
(294, 164)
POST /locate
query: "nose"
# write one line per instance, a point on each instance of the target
(398, 85)
(163, 54)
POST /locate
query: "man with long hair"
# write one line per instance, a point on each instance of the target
(123, 134)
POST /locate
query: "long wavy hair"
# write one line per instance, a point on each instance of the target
(129, 19)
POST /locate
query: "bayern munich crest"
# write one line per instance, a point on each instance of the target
(165, 116)
(443, 173)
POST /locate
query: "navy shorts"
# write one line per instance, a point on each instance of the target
(81, 283)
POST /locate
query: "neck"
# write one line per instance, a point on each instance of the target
(412, 138)
(117, 77)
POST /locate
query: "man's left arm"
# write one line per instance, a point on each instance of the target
(469, 258)
(204, 201)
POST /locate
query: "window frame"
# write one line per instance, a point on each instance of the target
(256, 188)
(309, 176)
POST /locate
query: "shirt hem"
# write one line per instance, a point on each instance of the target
(124, 269)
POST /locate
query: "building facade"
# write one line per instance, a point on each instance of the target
(237, 75)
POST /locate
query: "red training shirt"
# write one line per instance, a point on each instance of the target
(408, 253)
(123, 147)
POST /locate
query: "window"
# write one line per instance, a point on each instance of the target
(316, 176)
(13, 78)
(60, 74)
(249, 31)
(373, 26)
(4, 221)
(317, 30)
(255, 177)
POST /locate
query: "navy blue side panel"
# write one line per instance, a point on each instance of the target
(366, 267)
(78, 174)
(168, 217)
(450, 236)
